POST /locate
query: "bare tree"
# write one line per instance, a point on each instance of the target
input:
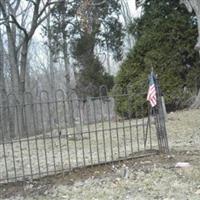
(194, 5)
(18, 50)
(20, 28)
(3, 118)
(126, 14)
(2, 79)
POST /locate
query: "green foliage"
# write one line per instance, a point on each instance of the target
(91, 77)
(85, 28)
(165, 39)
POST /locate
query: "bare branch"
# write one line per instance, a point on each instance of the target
(19, 26)
(37, 19)
(43, 18)
(43, 9)
(33, 2)
(25, 10)
(5, 16)
(17, 6)
(99, 4)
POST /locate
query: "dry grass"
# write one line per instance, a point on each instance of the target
(101, 142)
(149, 178)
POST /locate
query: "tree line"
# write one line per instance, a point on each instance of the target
(77, 30)
(75, 35)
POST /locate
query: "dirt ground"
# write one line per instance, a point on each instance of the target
(154, 177)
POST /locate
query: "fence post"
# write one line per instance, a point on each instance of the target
(160, 121)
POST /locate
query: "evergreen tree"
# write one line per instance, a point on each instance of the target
(165, 38)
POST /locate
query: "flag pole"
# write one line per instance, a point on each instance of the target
(155, 100)
(151, 110)
(161, 120)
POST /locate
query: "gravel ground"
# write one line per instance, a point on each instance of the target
(154, 177)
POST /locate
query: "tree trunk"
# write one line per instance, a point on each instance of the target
(194, 5)
(23, 65)
(3, 115)
(22, 89)
(125, 10)
(52, 83)
(13, 65)
(51, 63)
(14, 71)
(108, 61)
(28, 77)
(70, 116)
(66, 64)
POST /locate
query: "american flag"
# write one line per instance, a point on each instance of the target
(151, 95)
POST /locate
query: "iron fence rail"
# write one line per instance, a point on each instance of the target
(54, 136)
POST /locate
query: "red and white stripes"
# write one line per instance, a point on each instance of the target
(151, 95)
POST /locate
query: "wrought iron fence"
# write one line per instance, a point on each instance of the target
(44, 136)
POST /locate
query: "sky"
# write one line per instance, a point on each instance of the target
(133, 10)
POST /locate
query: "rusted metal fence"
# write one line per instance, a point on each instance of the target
(44, 136)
